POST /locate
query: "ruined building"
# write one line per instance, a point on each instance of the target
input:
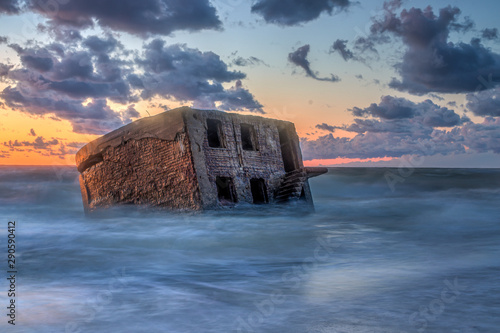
(187, 159)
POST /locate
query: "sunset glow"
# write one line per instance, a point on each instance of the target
(356, 88)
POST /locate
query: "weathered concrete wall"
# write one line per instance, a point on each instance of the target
(163, 126)
(232, 161)
(147, 171)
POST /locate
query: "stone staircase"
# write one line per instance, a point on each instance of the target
(291, 186)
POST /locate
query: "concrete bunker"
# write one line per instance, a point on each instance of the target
(188, 159)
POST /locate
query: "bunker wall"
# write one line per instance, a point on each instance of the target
(147, 171)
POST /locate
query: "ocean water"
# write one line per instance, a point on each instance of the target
(387, 250)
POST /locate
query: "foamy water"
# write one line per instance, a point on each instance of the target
(421, 258)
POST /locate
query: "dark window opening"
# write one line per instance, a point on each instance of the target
(259, 191)
(225, 190)
(248, 137)
(214, 133)
(287, 151)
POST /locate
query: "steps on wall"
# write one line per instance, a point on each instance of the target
(291, 186)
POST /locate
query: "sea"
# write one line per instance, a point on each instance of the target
(386, 250)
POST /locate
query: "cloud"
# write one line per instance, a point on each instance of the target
(426, 112)
(101, 46)
(377, 145)
(61, 34)
(44, 147)
(32, 132)
(74, 73)
(95, 117)
(490, 34)
(363, 44)
(130, 113)
(185, 74)
(38, 143)
(4, 70)
(485, 103)
(482, 137)
(326, 127)
(393, 128)
(431, 62)
(3, 39)
(9, 7)
(72, 83)
(251, 61)
(363, 49)
(299, 58)
(143, 18)
(82, 81)
(293, 12)
(340, 46)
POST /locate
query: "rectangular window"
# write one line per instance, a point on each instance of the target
(214, 133)
(248, 137)
(259, 191)
(225, 190)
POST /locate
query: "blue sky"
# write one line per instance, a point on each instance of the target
(362, 80)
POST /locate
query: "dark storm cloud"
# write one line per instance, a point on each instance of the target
(143, 17)
(99, 45)
(485, 103)
(393, 128)
(76, 81)
(292, 12)
(61, 34)
(426, 112)
(40, 61)
(341, 46)
(389, 108)
(299, 58)
(482, 137)
(431, 62)
(76, 74)
(9, 6)
(160, 58)
(490, 34)
(185, 74)
(71, 83)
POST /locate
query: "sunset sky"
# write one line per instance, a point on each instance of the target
(393, 82)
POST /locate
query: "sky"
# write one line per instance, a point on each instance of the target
(367, 83)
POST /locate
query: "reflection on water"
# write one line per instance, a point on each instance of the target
(421, 258)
